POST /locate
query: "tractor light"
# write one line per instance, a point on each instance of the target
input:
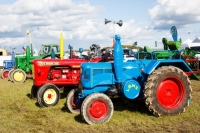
(74, 71)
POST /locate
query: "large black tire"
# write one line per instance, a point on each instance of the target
(18, 75)
(48, 95)
(97, 108)
(167, 91)
(34, 90)
(71, 103)
(5, 74)
(10, 74)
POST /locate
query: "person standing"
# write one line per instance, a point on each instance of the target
(104, 57)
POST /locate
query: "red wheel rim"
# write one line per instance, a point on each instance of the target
(98, 110)
(5, 74)
(170, 92)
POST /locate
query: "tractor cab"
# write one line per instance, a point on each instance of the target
(47, 49)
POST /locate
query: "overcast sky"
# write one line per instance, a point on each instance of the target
(82, 21)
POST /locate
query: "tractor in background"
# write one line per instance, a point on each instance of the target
(8, 65)
(174, 48)
(50, 76)
(23, 68)
(162, 84)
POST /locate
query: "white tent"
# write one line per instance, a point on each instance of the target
(186, 43)
(195, 43)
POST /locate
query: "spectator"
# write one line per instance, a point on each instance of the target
(104, 57)
(111, 54)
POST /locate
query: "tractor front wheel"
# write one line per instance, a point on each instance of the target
(48, 95)
(167, 91)
(97, 108)
(5, 74)
(34, 90)
(72, 103)
(18, 75)
(10, 74)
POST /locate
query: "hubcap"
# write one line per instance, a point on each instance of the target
(170, 93)
(18, 76)
(5, 74)
(98, 110)
(50, 96)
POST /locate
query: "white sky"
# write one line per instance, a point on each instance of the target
(82, 21)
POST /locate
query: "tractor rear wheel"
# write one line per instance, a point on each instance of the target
(5, 74)
(10, 74)
(34, 90)
(72, 103)
(167, 91)
(18, 75)
(48, 95)
(97, 108)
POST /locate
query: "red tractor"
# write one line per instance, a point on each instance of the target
(50, 75)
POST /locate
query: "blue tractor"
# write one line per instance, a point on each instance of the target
(8, 66)
(162, 84)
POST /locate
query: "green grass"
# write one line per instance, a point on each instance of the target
(20, 114)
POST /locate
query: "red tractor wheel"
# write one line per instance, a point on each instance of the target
(5, 74)
(48, 95)
(34, 90)
(71, 102)
(97, 108)
(167, 91)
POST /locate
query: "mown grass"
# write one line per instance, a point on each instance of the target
(20, 114)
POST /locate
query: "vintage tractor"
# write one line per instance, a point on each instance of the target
(162, 84)
(50, 75)
(23, 68)
(8, 65)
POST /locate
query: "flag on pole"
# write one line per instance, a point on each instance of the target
(24, 48)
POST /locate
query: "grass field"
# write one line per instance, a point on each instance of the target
(20, 114)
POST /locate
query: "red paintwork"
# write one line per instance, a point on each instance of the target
(170, 92)
(98, 110)
(62, 73)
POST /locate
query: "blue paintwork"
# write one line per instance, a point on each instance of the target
(131, 89)
(118, 59)
(99, 77)
(9, 64)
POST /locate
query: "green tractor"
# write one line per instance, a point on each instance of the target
(170, 47)
(23, 68)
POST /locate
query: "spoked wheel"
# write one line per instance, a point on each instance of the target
(18, 75)
(97, 108)
(48, 95)
(167, 91)
(5, 74)
(72, 102)
(10, 74)
(34, 90)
